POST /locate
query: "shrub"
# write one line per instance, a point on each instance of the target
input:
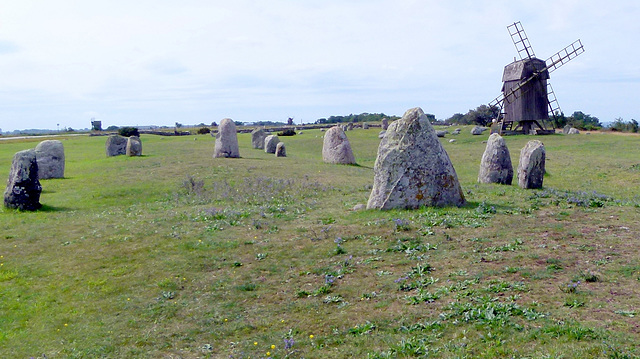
(128, 131)
(287, 132)
(203, 130)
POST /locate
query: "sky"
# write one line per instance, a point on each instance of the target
(158, 62)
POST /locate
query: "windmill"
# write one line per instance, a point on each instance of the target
(527, 98)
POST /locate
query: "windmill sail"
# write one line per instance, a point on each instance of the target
(563, 56)
(521, 41)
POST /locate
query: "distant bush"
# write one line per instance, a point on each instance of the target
(203, 130)
(287, 132)
(128, 131)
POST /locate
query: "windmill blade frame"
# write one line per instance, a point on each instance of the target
(520, 40)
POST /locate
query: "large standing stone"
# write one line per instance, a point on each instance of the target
(412, 168)
(495, 166)
(50, 157)
(116, 145)
(134, 146)
(385, 123)
(226, 140)
(365, 126)
(350, 126)
(565, 129)
(271, 143)
(23, 188)
(531, 166)
(257, 138)
(281, 151)
(336, 148)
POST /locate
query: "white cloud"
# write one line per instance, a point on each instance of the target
(151, 61)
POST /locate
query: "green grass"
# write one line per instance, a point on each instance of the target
(176, 254)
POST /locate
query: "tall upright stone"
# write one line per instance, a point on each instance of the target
(336, 148)
(385, 124)
(495, 166)
(271, 143)
(50, 158)
(116, 145)
(412, 168)
(226, 140)
(134, 146)
(281, 150)
(23, 187)
(531, 167)
(257, 138)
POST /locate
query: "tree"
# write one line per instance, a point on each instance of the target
(456, 119)
(482, 115)
(290, 121)
(559, 121)
(178, 125)
(128, 131)
(584, 121)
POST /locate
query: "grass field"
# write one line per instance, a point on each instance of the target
(178, 255)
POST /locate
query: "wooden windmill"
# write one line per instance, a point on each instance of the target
(527, 100)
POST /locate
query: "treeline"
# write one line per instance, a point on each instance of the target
(483, 115)
(621, 125)
(363, 117)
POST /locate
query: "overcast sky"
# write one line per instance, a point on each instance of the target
(144, 62)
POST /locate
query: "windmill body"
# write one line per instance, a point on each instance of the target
(529, 108)
(527, 100)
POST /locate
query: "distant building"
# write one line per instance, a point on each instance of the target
(96, 125)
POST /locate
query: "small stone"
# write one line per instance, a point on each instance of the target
(452, 140)
(50, 157)
(257, 138)
(573, 131)
(23, 187)
(226, 140)
(441, 133)
(477, 130)
(336, 148)
(270, 143)
(116, 145)
(281, 150)
(385, 123)
(134, 146)
(359, 207)
(531, 167)
(495, 166)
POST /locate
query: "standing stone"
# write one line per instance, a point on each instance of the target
(385, 123)
(257, 138)
(226, 140)
(50, 157)
(271, 143)
(336, 148)
(412, 168)
(23, 188)
(350, 126)
(134, 146)
(495, 166)
(573, 131)
(365, 126)
(531, 167)
(281, 151)
(116, 145)
(565, 129)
